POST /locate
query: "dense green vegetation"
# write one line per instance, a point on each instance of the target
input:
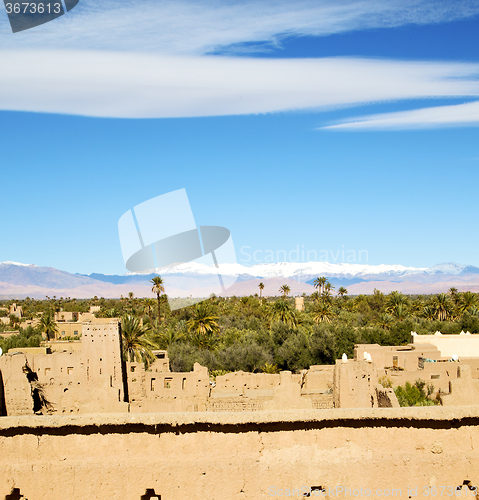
(258, 333)
(417, 394)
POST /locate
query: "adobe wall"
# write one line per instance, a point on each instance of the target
(439, 374)
(463, 345)
(159, 390)
(420, 360)
(82, 381)
(405, 357)
(355, 384)
(239, 455)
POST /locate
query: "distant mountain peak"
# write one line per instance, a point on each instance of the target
(447, 268)
(293, 269)
(195, 279)
(11, 263)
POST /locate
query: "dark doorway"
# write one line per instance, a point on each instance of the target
(15, 495)
(150, 495)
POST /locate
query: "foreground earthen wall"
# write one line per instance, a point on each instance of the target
(238, 456)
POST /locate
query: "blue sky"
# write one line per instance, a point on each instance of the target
(326, 126)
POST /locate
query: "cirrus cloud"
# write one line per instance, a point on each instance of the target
(193, 27)
(458, 115)
(126, 85)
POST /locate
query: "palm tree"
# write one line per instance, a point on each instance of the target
(399, 311)
(323, 312)
(108, 313)
(157, 288)
(466, 301)
(319, 283)
(328, 287)
(443, 306)
(137, 346)
(149, 303)
(474, 311)
(261, 288)
(429, 313)
(203, 325)
(326, 297)
(385, 321)
(269, 368)
(280, 310)
(164, 337)
(342, 291)
(416, 307)
(47, 325)
(394, 299)
(285, 289)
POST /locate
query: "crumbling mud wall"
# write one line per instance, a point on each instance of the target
(255, 455)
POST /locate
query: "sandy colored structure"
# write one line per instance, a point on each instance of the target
(71, 381)
(105, 428)
(464, 345)
(299, 303)
(415, 361)
(15, 310)
(248, 455)
(90, 376)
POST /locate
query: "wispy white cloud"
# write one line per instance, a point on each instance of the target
(146, 59)
(459, 115)
(127, 85)
(201, 26)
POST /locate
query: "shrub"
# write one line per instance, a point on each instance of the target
(415, 395)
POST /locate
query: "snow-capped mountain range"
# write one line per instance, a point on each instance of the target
(19, 280)
(308, 269)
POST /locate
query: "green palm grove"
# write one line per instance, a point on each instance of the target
(259, 333)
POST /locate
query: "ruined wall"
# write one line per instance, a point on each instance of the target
(241, 391)
(159, 390)
(436, 374)
(16, 389)
(101, 357)
(238, 456)
(409, 363)
(464, 390)
(400, 357)
(83, 381)
(355, 384)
